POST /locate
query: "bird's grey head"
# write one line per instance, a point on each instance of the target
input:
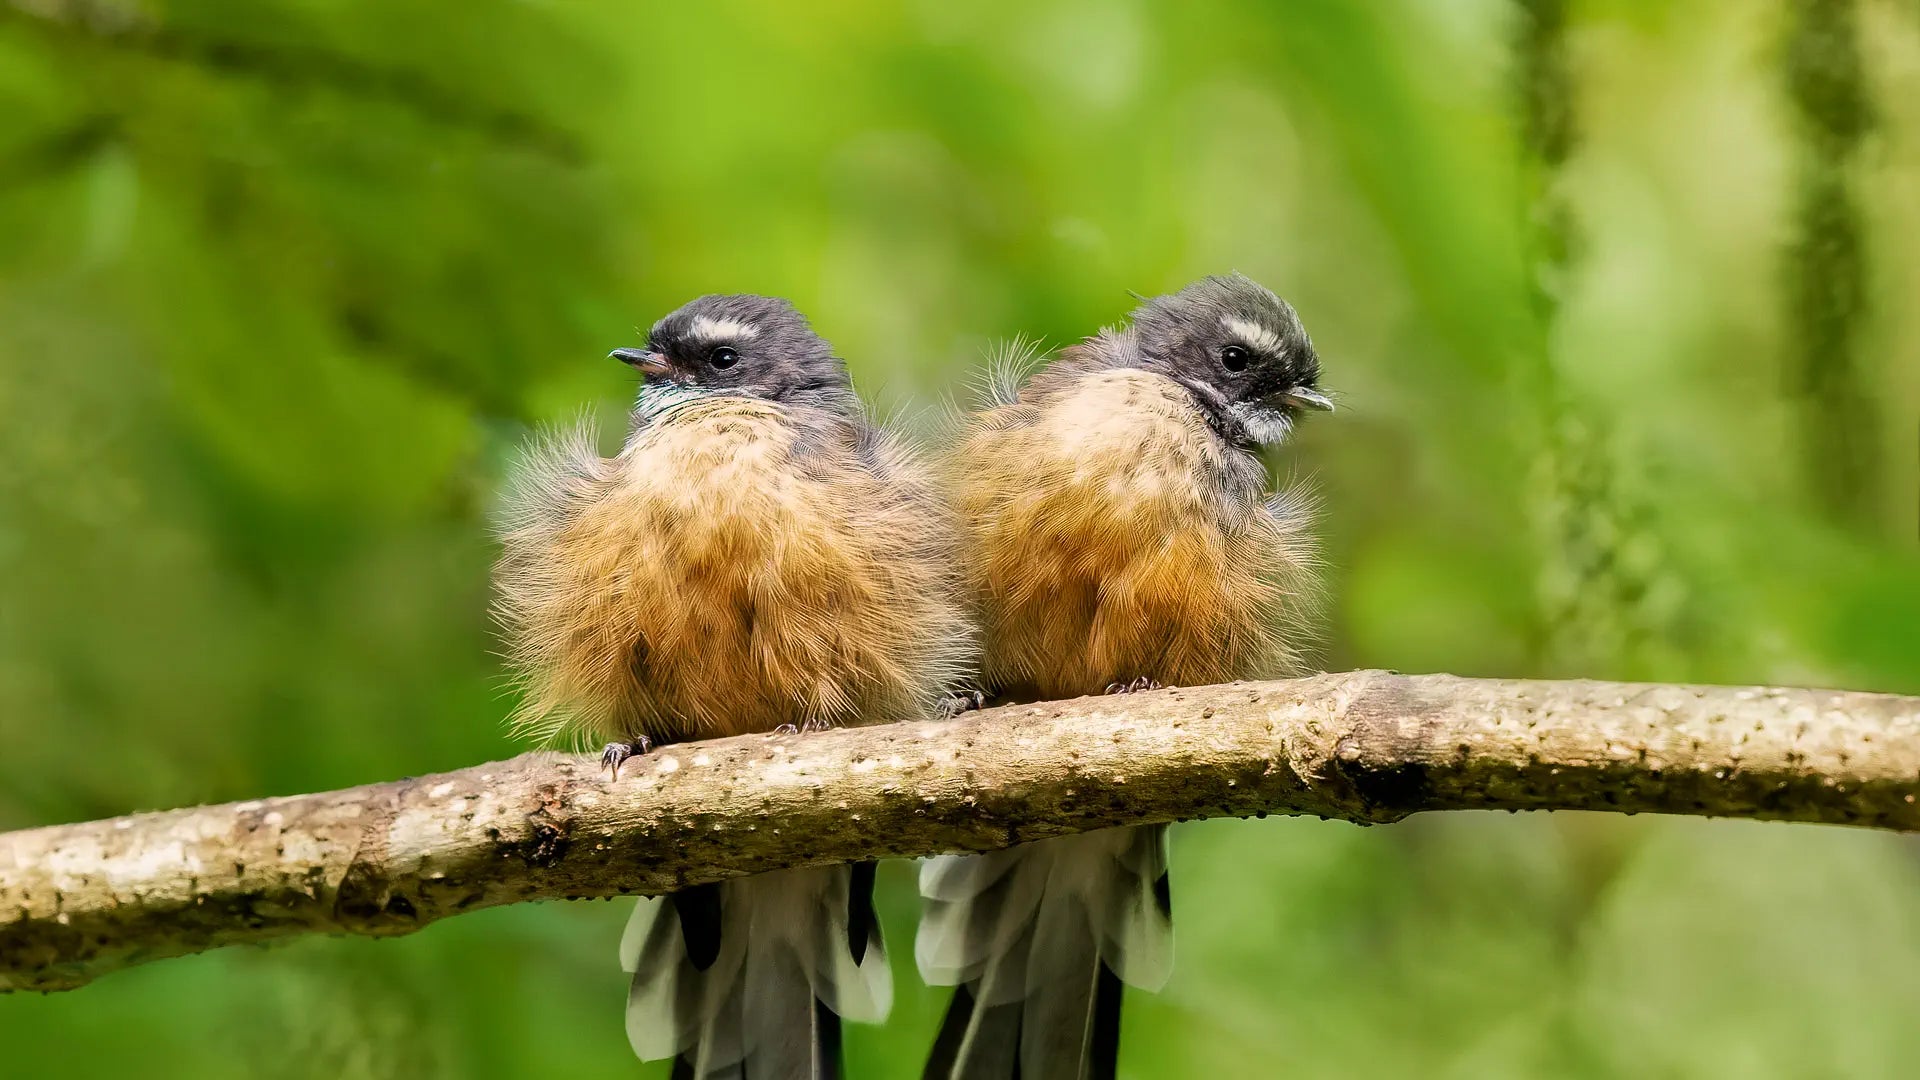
(1241, 351)
(756, 346)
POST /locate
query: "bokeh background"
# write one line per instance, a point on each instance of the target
(1619, 299)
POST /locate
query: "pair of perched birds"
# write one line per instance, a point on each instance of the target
(761, 556)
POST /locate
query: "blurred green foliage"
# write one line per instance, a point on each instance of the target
(281, 285)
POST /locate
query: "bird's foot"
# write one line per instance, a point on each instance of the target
(615, 754)
(962, 701)
(806, 728)
(1141, 683)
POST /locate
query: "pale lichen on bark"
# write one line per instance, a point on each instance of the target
(82, 900)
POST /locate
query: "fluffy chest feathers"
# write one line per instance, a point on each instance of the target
(714, 488)
(735, 568)
(1111, 535)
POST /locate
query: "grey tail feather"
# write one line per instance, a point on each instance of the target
(953, 1032)
(748, 979)
(824, 1059)
(863, 927)
(1103, 1033)
(698, 909)
(826, 1042)
(1002, 1042)
(976, 1041)
(1041, 940)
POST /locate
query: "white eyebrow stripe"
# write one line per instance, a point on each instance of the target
(1259, 337)
(707, 329)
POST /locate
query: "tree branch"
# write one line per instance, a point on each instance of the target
(83, 900)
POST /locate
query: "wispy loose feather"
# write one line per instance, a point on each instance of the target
(1009, 363)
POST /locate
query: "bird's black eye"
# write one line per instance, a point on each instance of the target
(723, 356)
(1234, 358)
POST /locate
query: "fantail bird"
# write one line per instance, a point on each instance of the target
(1117, 535)
(759, 556)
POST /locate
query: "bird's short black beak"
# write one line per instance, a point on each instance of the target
(648, 361)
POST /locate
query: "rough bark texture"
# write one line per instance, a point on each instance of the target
(83, 900)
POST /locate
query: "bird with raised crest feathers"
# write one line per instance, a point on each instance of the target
(1118, 534)
(759, 556)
